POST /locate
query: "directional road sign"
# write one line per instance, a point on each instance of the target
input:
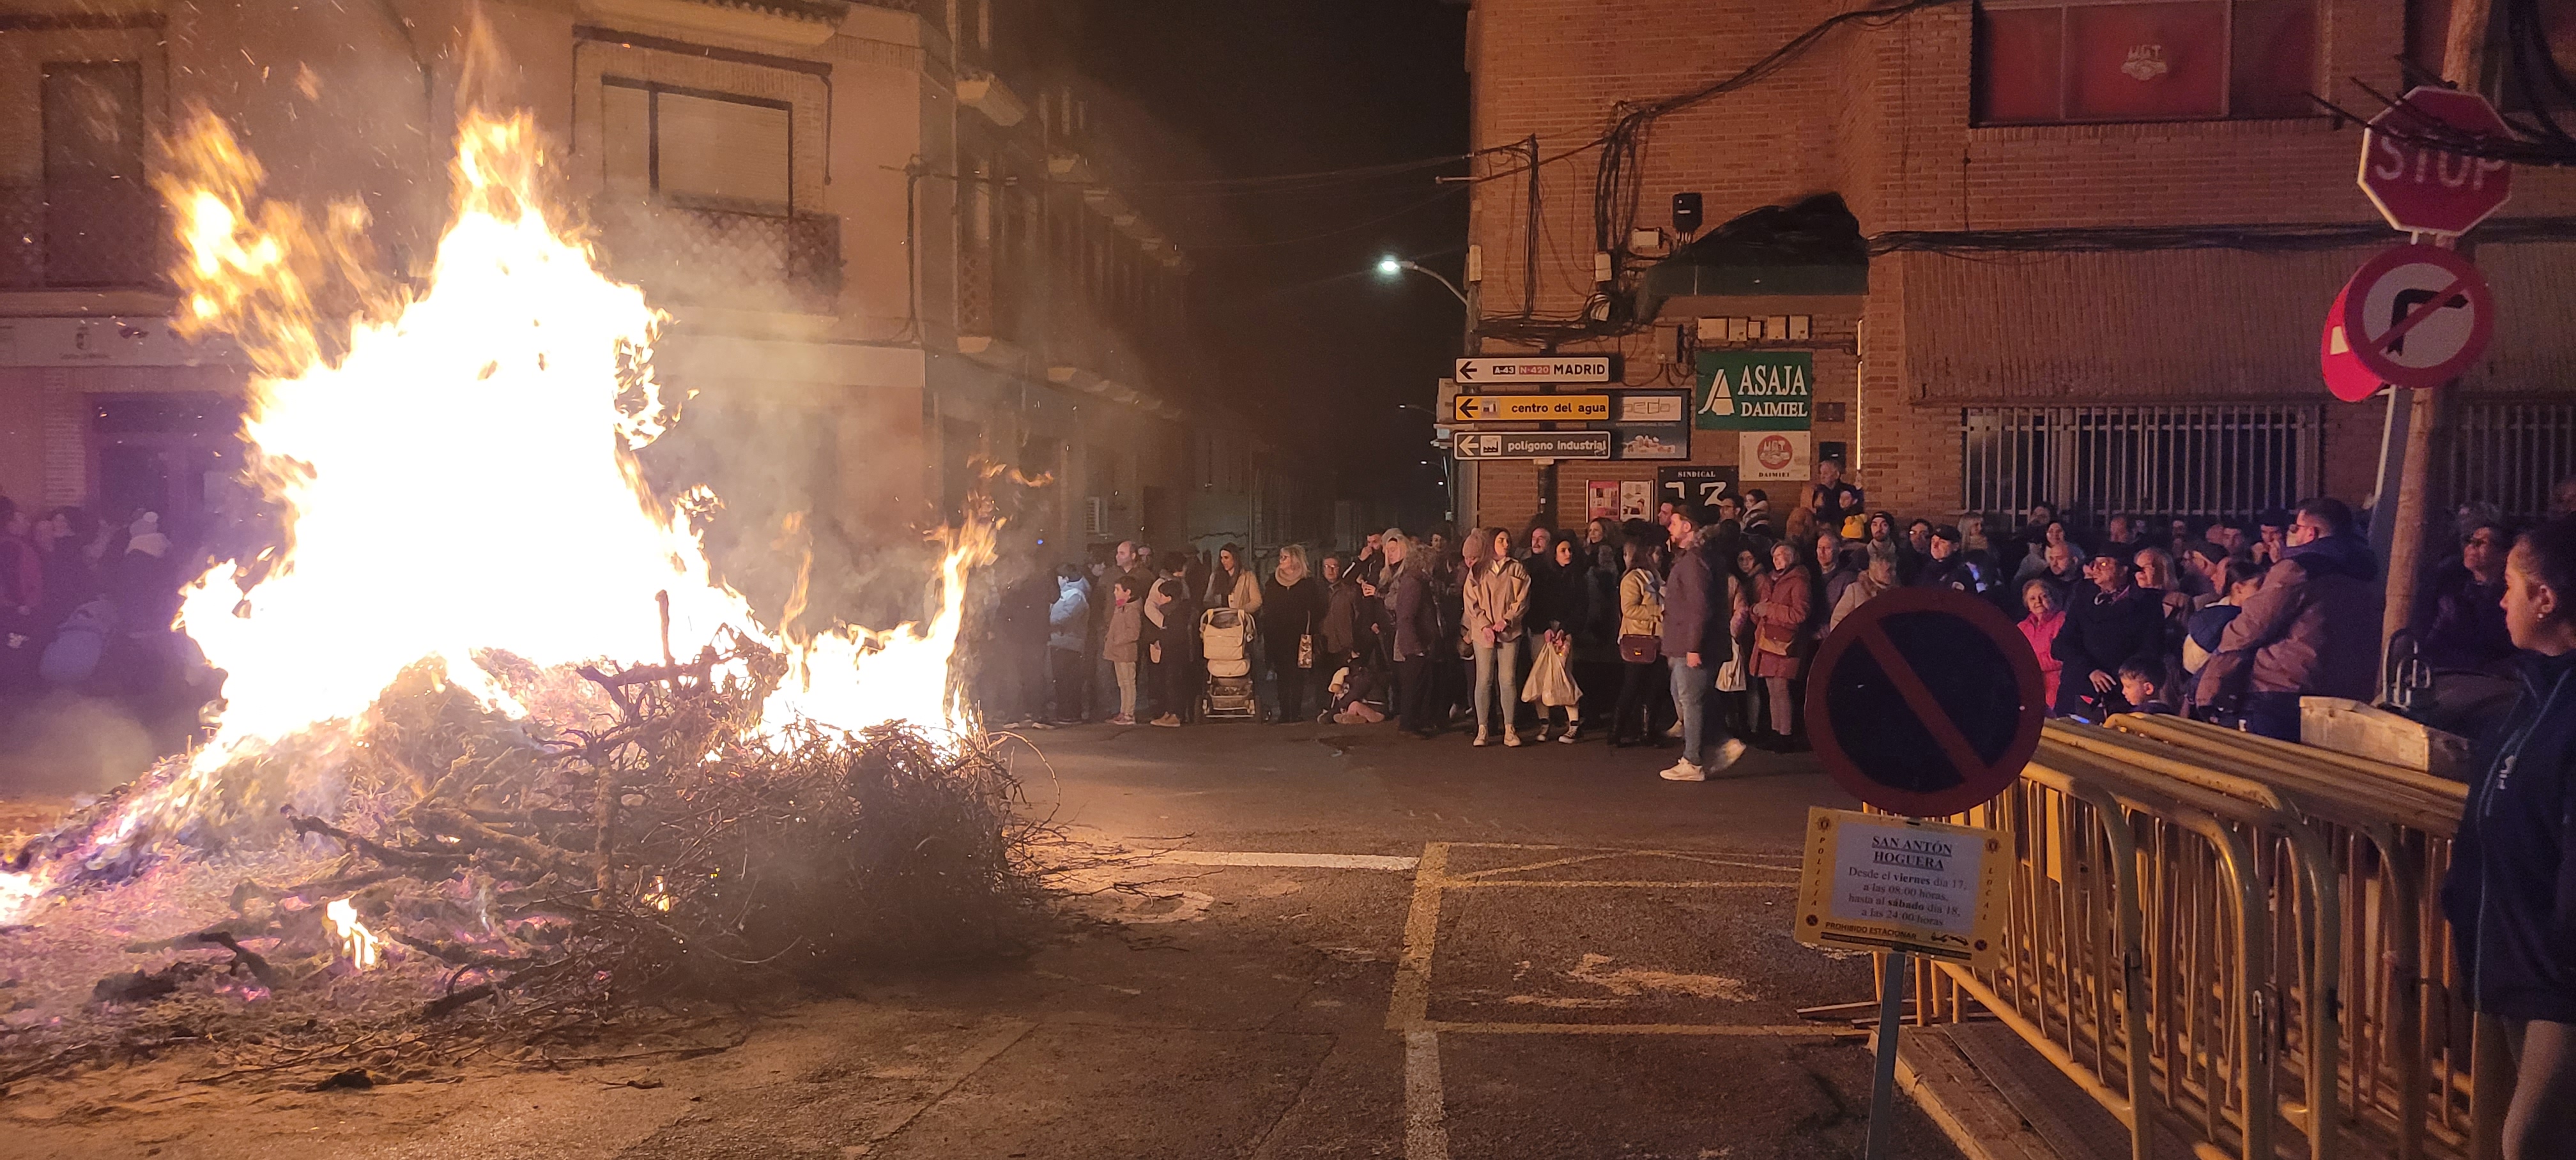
(1532, 445)
(1531, 409)
(2421, 187)
(1595, 368)
(1925, 702)
(2415, 316)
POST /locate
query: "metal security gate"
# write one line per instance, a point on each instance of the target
(2200, 460)
(2511, 454)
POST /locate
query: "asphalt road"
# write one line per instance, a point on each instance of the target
(1354, 945)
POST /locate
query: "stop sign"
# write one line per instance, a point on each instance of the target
(2422, 188)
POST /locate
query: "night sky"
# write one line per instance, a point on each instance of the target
(1307, 341)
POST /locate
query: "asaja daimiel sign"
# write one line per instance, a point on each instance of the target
(1764, 390)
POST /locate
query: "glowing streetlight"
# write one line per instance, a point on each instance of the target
(1388, 267)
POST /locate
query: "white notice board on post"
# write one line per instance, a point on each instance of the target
(1883, 883)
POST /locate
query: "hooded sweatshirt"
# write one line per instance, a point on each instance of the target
(2312, 630)
(1069, 619)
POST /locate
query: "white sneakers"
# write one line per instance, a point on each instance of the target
(1727, 754)
(1512, 737)
(1483, 741)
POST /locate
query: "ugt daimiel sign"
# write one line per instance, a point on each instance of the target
(1754, 390)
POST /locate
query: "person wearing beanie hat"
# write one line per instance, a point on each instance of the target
(145, 535)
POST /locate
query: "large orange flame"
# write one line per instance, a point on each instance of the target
(462, 475)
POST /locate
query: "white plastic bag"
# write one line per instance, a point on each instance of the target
(1550, 683)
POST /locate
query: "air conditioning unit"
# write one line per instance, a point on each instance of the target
(1095, 516)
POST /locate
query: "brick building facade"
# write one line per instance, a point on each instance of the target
(2160, 376)
(890, 236)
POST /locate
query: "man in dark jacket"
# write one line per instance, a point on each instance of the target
(1697, 639)
(2109, 623)
(2312, 631)
(1414, 632)
(1343, 629)
(2511, 894)
(2465, 630)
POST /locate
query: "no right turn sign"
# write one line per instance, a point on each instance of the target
(2415, 316)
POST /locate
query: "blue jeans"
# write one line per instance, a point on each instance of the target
(1498, 677)
(1691, 687)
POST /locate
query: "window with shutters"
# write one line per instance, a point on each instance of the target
(2051, 61)
(697, 149)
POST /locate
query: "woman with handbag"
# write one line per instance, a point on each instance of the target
(1641, 642)
(1783, 598)
(1735, 686)
(1291, 612)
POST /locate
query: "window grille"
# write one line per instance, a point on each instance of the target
(2511, 453)
(2200, 460)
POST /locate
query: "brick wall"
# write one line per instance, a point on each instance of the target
(1883, 117)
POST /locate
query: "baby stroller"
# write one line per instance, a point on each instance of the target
(1225, 639)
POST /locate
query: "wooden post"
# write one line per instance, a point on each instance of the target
(2465, 65)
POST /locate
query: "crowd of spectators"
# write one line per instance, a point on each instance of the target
(86, 609)
(1540, 633)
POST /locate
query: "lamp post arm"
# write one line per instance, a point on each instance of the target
(1445, 283)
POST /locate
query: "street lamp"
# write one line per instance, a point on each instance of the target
(1391, 266)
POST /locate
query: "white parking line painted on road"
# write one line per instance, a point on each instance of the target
(1426, 1117)
(1712, 1030)
(1309, 861)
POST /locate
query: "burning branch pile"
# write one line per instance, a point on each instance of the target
(494, 876)
(375, 851)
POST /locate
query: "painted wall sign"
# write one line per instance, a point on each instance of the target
(1749, 390)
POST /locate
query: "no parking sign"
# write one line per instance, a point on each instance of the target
(1922, 702)
(1925, 702)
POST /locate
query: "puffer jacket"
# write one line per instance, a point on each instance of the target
(2313, 629)
(1496, 592)
(2511, 894)
(1641, 603)
(1069, 616)
(1789, 596)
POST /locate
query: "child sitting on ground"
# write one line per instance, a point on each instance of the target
(1353, 688)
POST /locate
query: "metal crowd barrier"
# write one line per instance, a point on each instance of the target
(2219, 935)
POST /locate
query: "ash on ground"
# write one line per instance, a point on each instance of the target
(627, 870)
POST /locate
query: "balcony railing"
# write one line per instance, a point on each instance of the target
(113, 237)
(715, 257)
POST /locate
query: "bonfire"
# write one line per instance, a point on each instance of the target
(495, 751)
